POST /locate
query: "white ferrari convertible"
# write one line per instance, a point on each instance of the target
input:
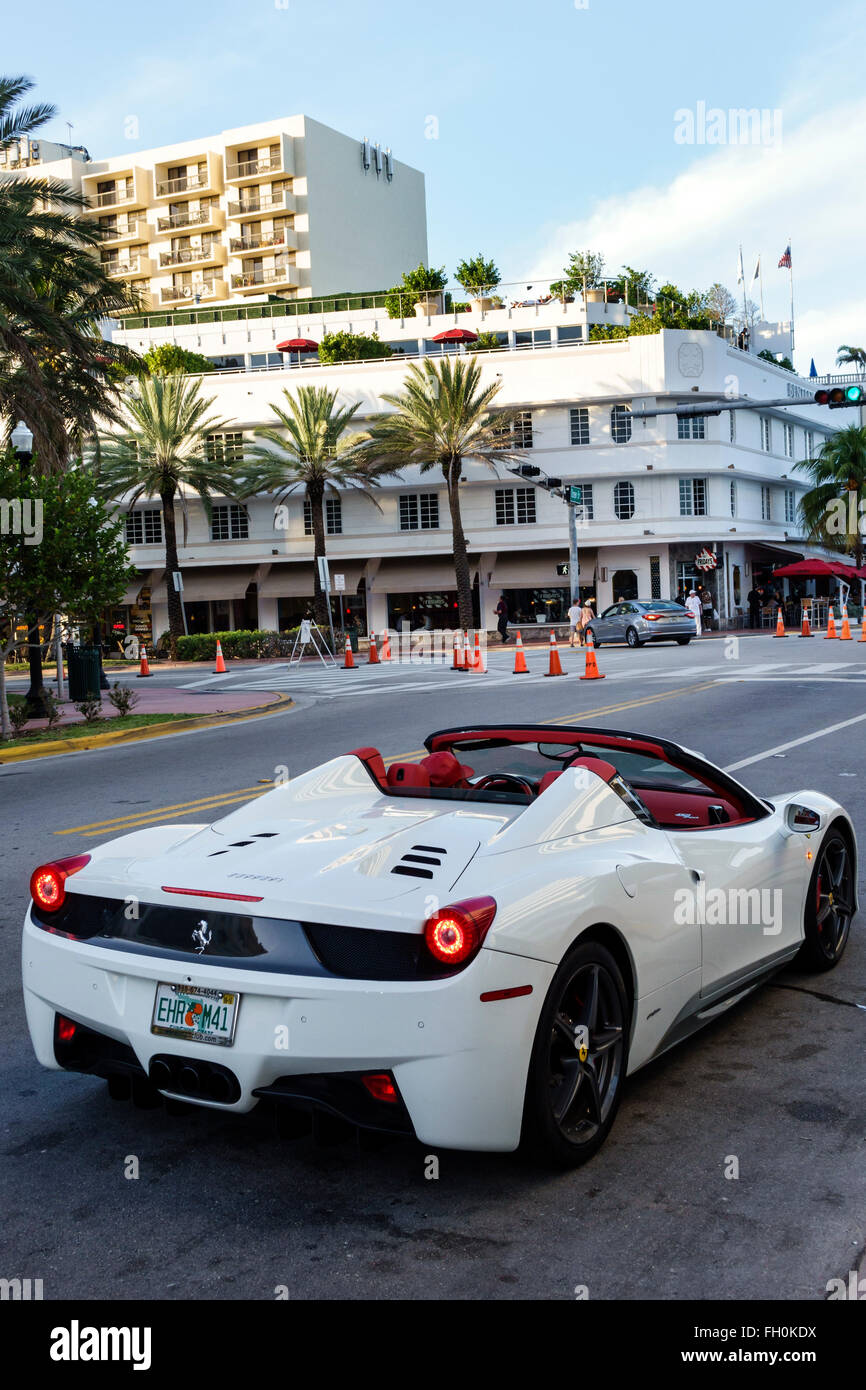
(475, 948)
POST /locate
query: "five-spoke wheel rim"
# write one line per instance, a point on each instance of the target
(834, 898)
(586, 1053)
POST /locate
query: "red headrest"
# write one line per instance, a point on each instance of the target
(373, 761)
(408, 775)
(547, 780)
(599, 766)
(444, 770)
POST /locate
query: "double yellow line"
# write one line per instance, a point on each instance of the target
(216, 802)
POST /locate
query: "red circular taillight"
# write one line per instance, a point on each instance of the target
(48, 882)
(455, 933)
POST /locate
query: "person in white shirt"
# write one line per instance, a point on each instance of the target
(693, 604)
(576, 622)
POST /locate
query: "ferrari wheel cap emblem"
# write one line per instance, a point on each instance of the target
(581, 1041)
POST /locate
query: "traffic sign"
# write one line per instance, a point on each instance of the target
(575, 494)
(324, 573)
(563, 569)
(340, 583)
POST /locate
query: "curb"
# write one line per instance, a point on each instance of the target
(84, 745)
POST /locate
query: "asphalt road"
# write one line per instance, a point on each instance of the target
(222, 1209)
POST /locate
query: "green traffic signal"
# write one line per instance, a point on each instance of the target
(854, 394)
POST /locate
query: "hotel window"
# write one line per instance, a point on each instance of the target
(523, 431)
(788, 440)
(419, 511)
(733, 498)
(620, 424)
(144, 527)
(515, 506)
(693, 497)
(585, 511)
(732, 427)
(766, 434)
(810, 444)
(579, 421)
(766, 504)
(691, 426)
(623, 501)
(333, 517)
(790, 505)
(225, 448)
(230, 522)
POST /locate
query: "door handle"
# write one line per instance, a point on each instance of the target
(698, 875)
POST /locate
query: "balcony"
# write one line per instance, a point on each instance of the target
(262, 206)
(130, 189)
(265, 166)
(130, 268)
(187, 183)
(243, 246)
(210, 217)
(254, 282)
(130, 229)
(213, 253)
(201, 291)
(117, 197)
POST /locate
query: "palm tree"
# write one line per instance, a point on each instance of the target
(855, 356)
(311, 451)
(162, 452)
(838, 470)
(53, 294)
(442, 417)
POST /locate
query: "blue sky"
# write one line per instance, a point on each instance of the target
(555, 121)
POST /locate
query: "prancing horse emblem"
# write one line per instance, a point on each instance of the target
(202, 936)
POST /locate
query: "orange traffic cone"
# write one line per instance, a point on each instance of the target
(780, 624)
(863, 626)
(220, 668)
(145, 669)
(806, 630)
(456, 653)
(555, 663)
(592, 672)
(831, 627)
(373, 659)
(348, 659)
(386, 646)
(845, 634)
(467, 652)
(478, 660)
(520, 666)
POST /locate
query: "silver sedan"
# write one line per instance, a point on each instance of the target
(637, 621)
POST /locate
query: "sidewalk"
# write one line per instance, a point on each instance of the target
(167, 700)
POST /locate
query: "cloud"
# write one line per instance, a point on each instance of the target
(806, 189)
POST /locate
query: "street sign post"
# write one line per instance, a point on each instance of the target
(340, 588)
(325, 581)
(178, 584)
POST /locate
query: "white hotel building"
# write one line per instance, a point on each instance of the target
(658, 493)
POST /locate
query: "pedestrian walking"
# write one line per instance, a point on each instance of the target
(706, 599)
(587, 613)
(502, 616)
(695, 607)
(753, 599)
(575, 625)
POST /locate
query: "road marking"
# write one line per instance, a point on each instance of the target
(630, 704)
(795, 743)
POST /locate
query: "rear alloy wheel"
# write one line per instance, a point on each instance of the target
(578, 1059)
(829, 905)
(596, 641)
(632, 638)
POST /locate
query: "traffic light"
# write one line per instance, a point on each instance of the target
(562, 570)
(838, 396)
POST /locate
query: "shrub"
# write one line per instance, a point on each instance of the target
(18, 715)
(91, 710)
(124, 698)
(53, 711)
(250, 644)
(351, 347)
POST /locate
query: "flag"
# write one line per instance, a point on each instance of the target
(757, 271)
(786, 259)
(741, 274)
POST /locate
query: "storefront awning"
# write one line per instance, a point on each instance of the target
(133, 591)
(288, 581)
(199, 585)
(536, 569)
(415, 576)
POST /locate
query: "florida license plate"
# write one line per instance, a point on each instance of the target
(204, 1015)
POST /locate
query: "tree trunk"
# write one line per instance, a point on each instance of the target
(35, 697)
(320, 600)
(461, 561)
(175, 601)
(5, 721)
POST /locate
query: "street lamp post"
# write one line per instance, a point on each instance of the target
(22, 444)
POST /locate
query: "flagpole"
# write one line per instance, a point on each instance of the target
(743, 277)
(791, 277)
(761, 284)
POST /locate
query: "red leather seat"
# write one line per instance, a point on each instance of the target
(407, 775)
(599, 766)
(373, 762)
(684, 811)
(547, 780)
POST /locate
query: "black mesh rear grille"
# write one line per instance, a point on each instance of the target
(360, 954)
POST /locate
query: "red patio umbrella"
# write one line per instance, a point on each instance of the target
(456, 335)
(298, 345)
(816, 569)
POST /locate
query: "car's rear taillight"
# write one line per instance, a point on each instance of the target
(48, 882)
(66, 1029)
(381, 1087)
(456, 933)
(652, 617)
